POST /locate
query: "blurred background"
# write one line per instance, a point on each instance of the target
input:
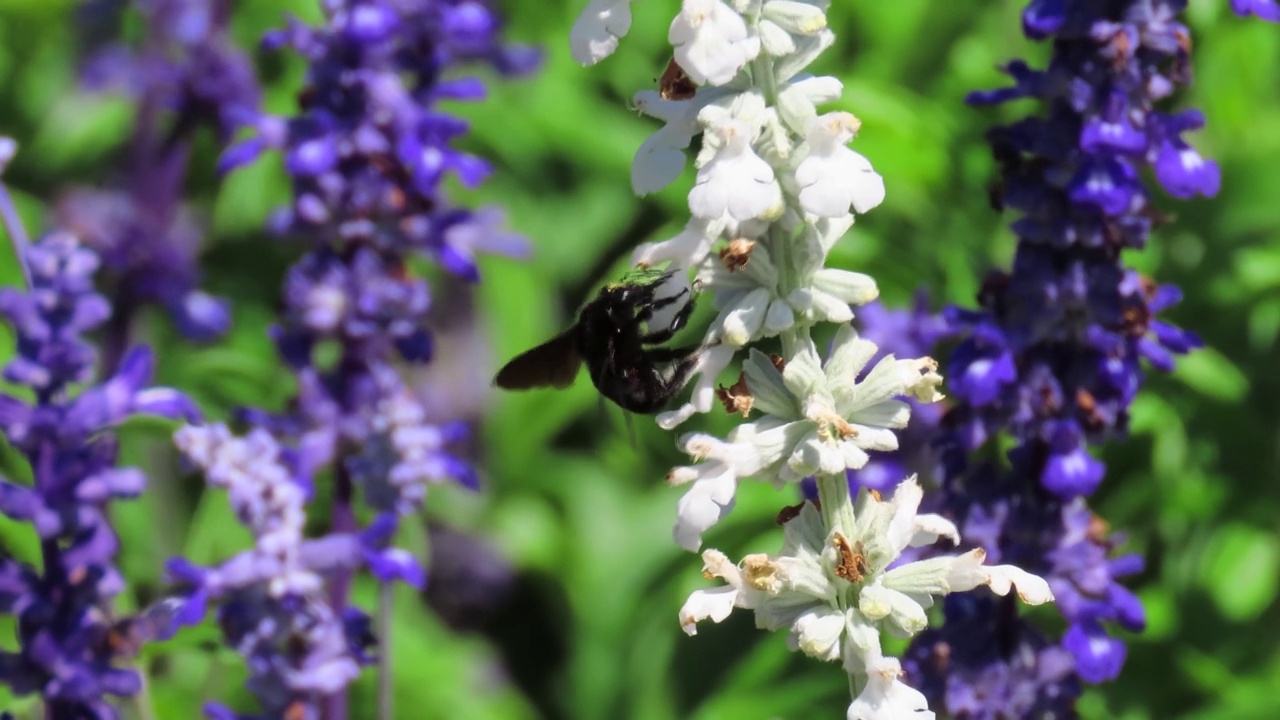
(555, 589)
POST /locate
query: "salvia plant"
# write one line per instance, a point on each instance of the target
(72, 648)
(185, 75)
(848, 421)
(1054, 355)
(366, 155)
(776, 188)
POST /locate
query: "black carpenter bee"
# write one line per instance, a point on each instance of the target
(613, 337)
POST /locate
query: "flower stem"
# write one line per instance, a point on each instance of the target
(17, 232)
(837, 504)
(342, 520)
(386, 686)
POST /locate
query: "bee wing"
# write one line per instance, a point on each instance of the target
(554, 362)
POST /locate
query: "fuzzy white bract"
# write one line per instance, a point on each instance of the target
(833, 589)
(776, 187)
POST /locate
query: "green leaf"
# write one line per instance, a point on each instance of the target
(1210, 373)
(1241, 569)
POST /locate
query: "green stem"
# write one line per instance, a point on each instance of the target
(386, 686)
(837, 504)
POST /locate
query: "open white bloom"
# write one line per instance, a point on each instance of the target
(661, 159)
(886, 698)
(736, 184)
(832, 178)
(687, 249)
(756, 302)
(712, 42)
(829, 430)
(834, 593)
(598, 29)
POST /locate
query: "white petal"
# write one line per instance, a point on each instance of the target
(736, 183)
(929, 527)
(850, 287)
(817, 633)
(659, 161)
(596, 32)
(712, 42)
(877, 602)
(887, 698)
(774, 40)
(920, 378)
(684, 250)
(833, 177)
(780, 317)
(709, 499)
(968, 572)
(906, 500)
(714, 605)
(797, 17)
(740, 323)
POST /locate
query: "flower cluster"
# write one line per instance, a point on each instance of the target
(187, 75)
(366, 156)
(1054, 356)
(70, 647)
(776, 188)
(273, 610)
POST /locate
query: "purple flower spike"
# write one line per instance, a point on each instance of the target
(366, 153)
(68, 650)
(271, 602)
(1264, 9)
(185, 76)
(1055, 354)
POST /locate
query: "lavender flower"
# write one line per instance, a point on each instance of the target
(70, 648)
(1055, 354)
(366, 155)
(186, 76)
(272, 606)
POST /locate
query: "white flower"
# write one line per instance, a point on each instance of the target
(817, 419)
(712, 42)
(887, 698)
(713, 604)
(686, 249)
(799, 97)
(712, 362)
(736, 184)
(834, 594)
(660, 158)
(596, 32)
(750, 449)
(833, 177)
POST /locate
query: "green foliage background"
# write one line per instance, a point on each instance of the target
(584, 516)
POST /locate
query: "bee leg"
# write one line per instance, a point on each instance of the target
(677, 323)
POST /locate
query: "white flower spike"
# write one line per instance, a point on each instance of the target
(776, 188)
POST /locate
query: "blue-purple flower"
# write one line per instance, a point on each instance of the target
(187, 75)
(1056, 353)
(272, 605)
(70, 648)
(366, 154)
